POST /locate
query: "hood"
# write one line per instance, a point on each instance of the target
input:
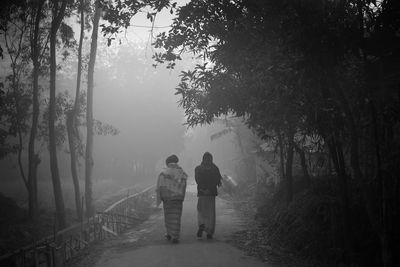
(174, 171)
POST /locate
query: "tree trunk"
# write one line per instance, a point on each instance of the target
(58, 15)
(89, 115)
(385, 237)
(74, 170)
(289, 167)
(281, 155)
(72, 127)
(33, 158)
(303, 163)
(336, 151)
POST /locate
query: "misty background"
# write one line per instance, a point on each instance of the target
(139, 101)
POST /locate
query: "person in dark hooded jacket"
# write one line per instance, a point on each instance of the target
(207, 177)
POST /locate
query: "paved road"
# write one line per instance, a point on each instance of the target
(146, 246)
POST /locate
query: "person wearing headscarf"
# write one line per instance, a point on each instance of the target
(171, 188)
(207, 177)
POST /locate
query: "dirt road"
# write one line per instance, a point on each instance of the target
(146, 246)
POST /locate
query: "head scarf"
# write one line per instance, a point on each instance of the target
(171, 159)
(207, 158)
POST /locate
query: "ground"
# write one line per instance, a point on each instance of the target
(146, 246)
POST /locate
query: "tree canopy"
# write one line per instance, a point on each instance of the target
(300, 69)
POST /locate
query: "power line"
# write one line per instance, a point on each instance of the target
(150, 27)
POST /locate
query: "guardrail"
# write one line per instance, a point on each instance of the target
(58, 249)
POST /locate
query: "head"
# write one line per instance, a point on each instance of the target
(207, 158)
(171, 159)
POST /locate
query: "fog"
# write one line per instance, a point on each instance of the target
(136, 99)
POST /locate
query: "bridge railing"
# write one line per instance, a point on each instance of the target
(63, 246)
(127, 211)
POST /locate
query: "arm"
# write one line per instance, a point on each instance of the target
(219, 177)
(158, 195)
(183, 183)
(197, 175)
(184, 187)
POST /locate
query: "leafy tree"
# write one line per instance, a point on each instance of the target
(295, 67)
(14, 28)
(118, 14)
(21, 23)
(237, 79)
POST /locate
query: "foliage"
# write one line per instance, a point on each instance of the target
(102, 128)
(118, 14)
(301, 70)
(17, 27)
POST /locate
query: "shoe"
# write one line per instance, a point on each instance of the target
(175, 240)
(168, 237)
(209, 236)
(200, 231)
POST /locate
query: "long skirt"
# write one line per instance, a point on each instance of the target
(206, 213)
(172, 217)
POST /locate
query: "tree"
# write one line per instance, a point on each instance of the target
(297, 68)
(72, 117)
(20, 26)
(34, 158)
(249, 76)
(89, 114)
(58, 11)
(14, 29)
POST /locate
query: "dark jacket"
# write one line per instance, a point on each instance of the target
(207, 177)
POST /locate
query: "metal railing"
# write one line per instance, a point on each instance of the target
(57, 249)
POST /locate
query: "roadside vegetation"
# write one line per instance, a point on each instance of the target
(318, 82)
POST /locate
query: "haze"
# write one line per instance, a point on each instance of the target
(138, 100)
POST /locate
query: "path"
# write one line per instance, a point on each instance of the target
(145, 246)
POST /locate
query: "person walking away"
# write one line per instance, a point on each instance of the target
(207, 177)
(171, 188)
